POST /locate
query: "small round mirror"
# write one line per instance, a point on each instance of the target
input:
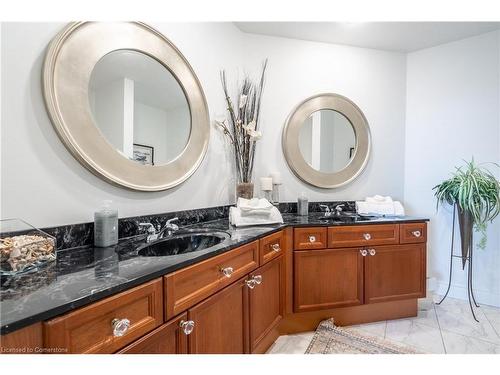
(327, 141)
(139, 107)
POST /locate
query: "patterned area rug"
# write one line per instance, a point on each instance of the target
(330, 339)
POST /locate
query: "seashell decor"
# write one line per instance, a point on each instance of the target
(23, 251)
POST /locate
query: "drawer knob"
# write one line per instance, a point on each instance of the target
(372, 252)
(120, 326)
(363, 252)
(367, 236)
(250, 283)
(276, 247)
(257, 279)
(312, 239)
(187, 326)
(416, 233)
(228, 271)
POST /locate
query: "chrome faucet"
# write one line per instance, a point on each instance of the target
(169, 227)
(152, 234)
(335, 212)
(328, 212)
(338, 209)
(158, 232)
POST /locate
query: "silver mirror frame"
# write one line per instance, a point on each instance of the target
(68, 65)
(291, 132)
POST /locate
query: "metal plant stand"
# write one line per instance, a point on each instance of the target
(470, 291)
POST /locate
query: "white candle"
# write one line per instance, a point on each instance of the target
(266, 183)
(276, 176)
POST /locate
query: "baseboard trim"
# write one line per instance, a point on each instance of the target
(344, 316)
(485, 297)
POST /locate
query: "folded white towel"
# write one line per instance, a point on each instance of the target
(254, 204)
(399, 210)
(378, 199)
(369, 208)
(237, 219)
(394, 208)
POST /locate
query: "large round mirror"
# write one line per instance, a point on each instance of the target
(326, 140)
(126, 103)
(139, 107)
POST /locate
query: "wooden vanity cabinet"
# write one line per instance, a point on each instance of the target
(188, 286)
(271, 247)
(90, 329)
(328, 278)
(166, 339)
(235, 302)
(363, 235)
(395, 272)
(266, 302)
(240, 318)
(364, 270)
(221, 322)
(310, 238)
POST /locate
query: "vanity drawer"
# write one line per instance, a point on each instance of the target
(363, 235)
(309, 238)
(413, 233)
(90, 330)
(190, 285)
(271, 247)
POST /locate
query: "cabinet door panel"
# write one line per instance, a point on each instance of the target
(221, 322)
(166, 339)
(266, 300)
(395, 272)
(325, 279)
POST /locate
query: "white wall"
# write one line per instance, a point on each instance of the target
(177, 130)
(374, 80)
(43, 184)
(55, 189)
(150, 129)
(453, 94)
(107, 105)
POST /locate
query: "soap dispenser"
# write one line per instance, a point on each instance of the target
(302, 205)
(106, 226)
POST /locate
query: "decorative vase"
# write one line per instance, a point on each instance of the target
(244, 190)
(466, 223)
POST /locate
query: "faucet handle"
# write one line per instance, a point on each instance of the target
(151, 228)
(327, 209)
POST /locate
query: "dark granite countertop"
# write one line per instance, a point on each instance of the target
(87, 274)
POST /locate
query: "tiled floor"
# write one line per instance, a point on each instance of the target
(445, 328)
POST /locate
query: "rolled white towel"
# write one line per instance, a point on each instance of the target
(237, 219)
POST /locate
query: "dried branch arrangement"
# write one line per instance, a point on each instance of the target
(241, 128)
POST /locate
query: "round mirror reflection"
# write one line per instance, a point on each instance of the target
(139, 107)
(327, 141)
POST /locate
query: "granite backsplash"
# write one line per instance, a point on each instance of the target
(77, 235)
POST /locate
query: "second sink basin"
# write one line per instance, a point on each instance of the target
(182, 244)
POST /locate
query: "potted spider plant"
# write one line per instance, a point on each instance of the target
(475, 192)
